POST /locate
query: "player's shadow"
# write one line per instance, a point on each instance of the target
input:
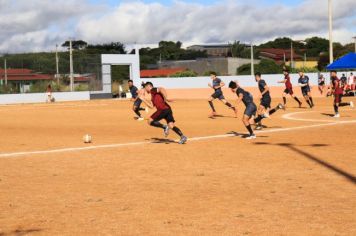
(222, 116)
(314, 158)
(162, 140)
(332, 115)
(21, 232)
(244, 135)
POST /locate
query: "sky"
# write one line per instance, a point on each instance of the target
(38, 25)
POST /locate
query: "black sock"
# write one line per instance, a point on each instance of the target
(295, 98)
(336, 109)
(229, 105)
(177, 131)
(137, 112)
(311, 101)
(249, 129)
(212, 106)
(141, 109)
(157, 124)
(284, 100)
(258, 119)
(273, 110)
(344, 104)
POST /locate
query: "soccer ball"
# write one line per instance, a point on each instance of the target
(87, 138)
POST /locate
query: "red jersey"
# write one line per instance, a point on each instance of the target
(288, 83)
(337, 85)
(158, 100)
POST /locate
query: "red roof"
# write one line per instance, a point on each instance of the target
(278, 54)
(160, 72)
(23, 75)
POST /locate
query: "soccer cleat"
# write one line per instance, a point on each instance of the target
(140, 119)
(183, 140)
(266, 115)
(166, 131)
(259, 127)
(352, 104)
(213, 114)
(337, 115)
(252, 136)
(147, 110)
(281, 106)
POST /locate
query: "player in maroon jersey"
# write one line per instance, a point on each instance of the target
(289, 89)
(337, 88)
(164, 111)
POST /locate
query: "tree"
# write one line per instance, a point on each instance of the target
(77, 45)
(265, 67)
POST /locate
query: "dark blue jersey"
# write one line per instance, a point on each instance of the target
(304, 80)
(133, 91)
(216, 82)
(261, 86)
(247, 97)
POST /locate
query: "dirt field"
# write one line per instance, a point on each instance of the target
(296, 178)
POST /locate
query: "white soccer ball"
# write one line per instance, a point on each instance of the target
(87, 138)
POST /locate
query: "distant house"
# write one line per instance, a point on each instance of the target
(160, 72)
(213, 50)
(279, 55)
(23, 78)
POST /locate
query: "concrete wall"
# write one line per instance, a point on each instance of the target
(41, 97)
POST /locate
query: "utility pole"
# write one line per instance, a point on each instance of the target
(71, 74)
(57, 66)
(331, 46)
(252, 61)
(5, 68)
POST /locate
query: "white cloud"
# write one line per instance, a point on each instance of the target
(22, 21)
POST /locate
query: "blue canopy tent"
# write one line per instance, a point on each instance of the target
(347, 62)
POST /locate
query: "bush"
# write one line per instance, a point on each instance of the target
(187, 73)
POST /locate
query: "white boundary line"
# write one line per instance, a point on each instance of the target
(78, 149)
(289, 117)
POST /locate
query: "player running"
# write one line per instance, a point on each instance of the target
(289, 89)
(321, 84)
(265, 105)
(217, 84)
(164, 111)
(304, 84)
(250, 111)
(337, 89)
(136, 94)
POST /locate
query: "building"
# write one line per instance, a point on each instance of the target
(213, 50)
(221, 65)
(279, 55)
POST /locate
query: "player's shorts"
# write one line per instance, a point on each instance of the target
(337, 98)
(250, 110)
(288, 91)
(322, 84)
(137, 102)
(166, 114)
(218, 95)
(305, 91)
(266, 102)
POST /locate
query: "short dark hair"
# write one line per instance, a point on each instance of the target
(258, 74)
(213, 73)
(148, 83)
(232, 85)
(333, 71)
(131, 81)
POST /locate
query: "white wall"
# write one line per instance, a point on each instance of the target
(41, 97)
(244, 81)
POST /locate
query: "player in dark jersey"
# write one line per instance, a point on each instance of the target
(304, 84)
(337, 90)
(321, 84)
(251, 109)
(164, 111)
(264, 109)
(289, 89)
(217, 84)
(135, 92)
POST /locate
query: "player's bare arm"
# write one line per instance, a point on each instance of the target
(164, 94)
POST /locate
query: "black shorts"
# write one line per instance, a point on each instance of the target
(138, 102)
(266, 102)
(288, 91)
(337, 98)
(322, 84)
(305, 91)
(218, 95)
(250, 110)
(166, 114)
